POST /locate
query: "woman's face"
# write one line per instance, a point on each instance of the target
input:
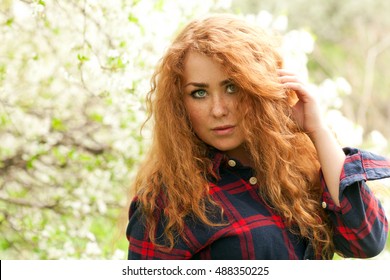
(210, 98)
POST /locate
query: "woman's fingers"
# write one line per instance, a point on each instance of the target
(292, 81)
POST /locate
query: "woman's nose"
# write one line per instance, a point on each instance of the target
(219, 107)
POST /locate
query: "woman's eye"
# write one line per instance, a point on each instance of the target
(200, 93)
(231, 88)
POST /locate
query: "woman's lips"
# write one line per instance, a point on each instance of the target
(224, 130)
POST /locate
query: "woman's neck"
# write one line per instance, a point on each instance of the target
(241, 154)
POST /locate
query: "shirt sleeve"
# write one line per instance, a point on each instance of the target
(360, 224)
(140, 245)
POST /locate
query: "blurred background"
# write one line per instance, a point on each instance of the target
(73, 78)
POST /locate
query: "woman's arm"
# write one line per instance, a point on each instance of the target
(360, 224)
(331, 158)
(308, 116)
(359, 220)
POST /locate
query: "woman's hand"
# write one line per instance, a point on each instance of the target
(306, 111)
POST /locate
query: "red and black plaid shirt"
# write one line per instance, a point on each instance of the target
(254, 231)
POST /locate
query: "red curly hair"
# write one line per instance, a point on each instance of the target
(284, 157)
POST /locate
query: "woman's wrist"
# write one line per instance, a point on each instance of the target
(321, 132)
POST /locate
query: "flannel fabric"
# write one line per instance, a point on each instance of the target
(254, 231)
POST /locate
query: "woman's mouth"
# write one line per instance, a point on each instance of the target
(224, 130)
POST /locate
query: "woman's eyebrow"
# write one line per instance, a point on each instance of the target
(225, 82)
(204, 85)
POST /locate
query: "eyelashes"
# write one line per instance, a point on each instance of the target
(202, 93)
(199, 93)
(231, 88)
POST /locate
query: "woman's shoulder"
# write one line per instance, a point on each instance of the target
(138, 205)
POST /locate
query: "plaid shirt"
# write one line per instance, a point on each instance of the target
(254, 231)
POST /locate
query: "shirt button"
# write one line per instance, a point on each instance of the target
(323, 204)
(232, 163)
(253, 180)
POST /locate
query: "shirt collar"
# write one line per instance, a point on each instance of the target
(217, 158)
(220, 161)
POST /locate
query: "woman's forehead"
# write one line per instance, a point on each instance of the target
(201, 68)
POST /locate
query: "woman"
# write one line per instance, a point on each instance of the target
(242, 166)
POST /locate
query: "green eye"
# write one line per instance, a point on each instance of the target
(200, 93)
(231, 88)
